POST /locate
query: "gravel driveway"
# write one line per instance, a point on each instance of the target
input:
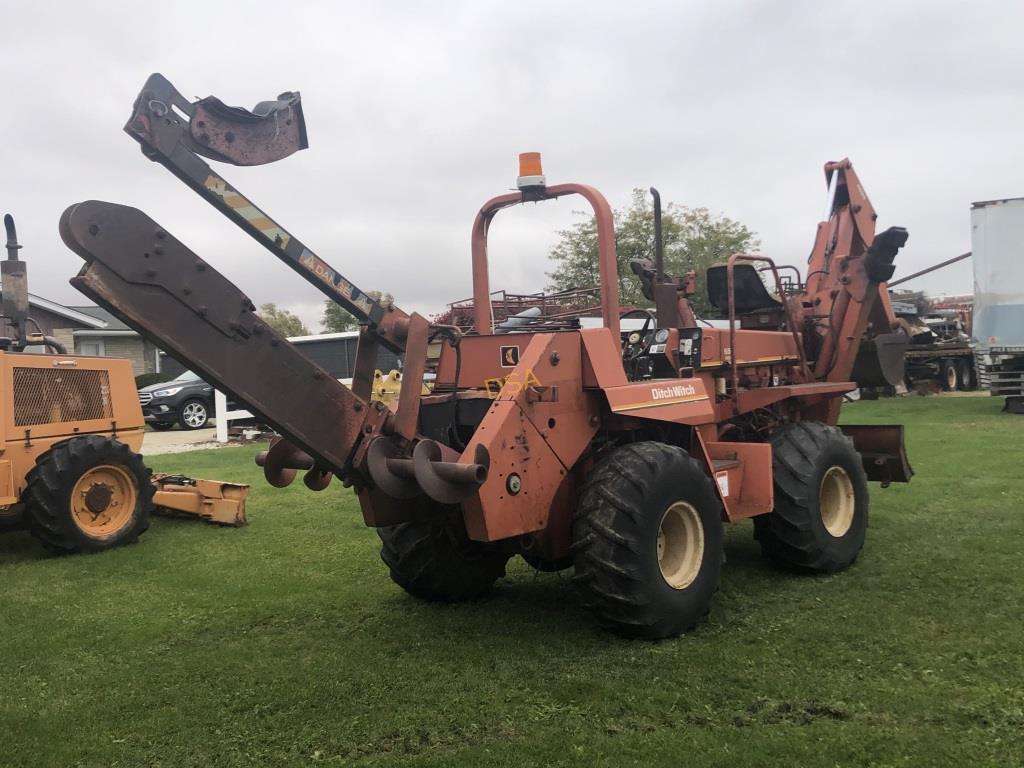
(178, 441)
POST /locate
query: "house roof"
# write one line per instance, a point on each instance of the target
(111, 323)
(78, 314)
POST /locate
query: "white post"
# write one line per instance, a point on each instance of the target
(220, 408)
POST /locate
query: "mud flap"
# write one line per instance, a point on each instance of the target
(882, 451)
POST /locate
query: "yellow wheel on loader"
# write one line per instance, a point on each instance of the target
(88, 494)
(103, 500)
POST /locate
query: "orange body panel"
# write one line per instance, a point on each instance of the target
(535, 432)
(679, 401)
(751, 347)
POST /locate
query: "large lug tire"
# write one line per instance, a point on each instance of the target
(821, 500)
(88, 494)
(193, 414)
(437, 561)
(949, 375)
(647, 541)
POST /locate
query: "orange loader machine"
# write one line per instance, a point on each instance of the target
(618, 453)
(72, 428)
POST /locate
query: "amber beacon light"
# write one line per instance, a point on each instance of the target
(531, 174)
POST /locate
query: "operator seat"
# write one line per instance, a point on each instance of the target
(755, 307)
(751, 295)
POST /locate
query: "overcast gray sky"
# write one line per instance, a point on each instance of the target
(416, 112)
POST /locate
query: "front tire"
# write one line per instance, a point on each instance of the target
(821, 500)
(193, 414)
(88, 494)
(647, 541)
(436, 561)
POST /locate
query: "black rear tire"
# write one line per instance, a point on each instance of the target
(821, 500)
(49, 507)
(949, 375)
(436, 561)
(641, 514)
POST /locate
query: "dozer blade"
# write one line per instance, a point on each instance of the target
(882, 451)
(155, 284)
(211, 500)
(271, 131)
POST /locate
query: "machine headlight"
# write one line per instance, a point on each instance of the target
(661, 336)
(167, 392)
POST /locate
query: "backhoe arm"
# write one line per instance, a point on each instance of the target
(846, 281)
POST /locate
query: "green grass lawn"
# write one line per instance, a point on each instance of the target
(285, 643)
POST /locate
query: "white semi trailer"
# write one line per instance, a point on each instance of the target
(997, 244)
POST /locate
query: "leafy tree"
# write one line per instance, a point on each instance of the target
(337, 319)
(282, 321)
(694, 239)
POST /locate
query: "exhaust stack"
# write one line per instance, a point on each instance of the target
(14, 276)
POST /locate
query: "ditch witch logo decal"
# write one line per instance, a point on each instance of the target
(509, 357)
(671, 394)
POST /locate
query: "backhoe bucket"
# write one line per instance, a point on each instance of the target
(881, 361)
(271, 131)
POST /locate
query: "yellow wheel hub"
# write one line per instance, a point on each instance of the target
(103, 500)
(680, 545)
(836, 501)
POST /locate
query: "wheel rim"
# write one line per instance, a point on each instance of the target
(103, 500)
(194, 414)
(837, 501)
(680, 545)
(951, 378)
